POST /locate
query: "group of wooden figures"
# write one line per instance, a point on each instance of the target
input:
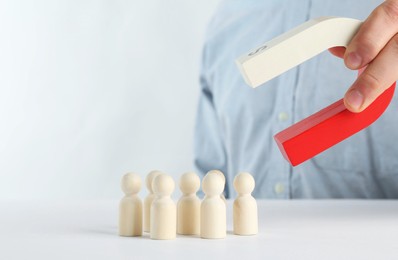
(160, 216)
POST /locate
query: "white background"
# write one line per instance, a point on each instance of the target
(92, 89)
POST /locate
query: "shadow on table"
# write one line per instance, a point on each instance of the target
(109, 231)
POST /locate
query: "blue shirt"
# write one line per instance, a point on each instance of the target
(235, 123)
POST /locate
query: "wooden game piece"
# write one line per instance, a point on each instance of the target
(332, 124)
(245, 216)
(213, 216)
(163, 209)
(188, 207)
(219, 173)
(149, 199)
(130, 208)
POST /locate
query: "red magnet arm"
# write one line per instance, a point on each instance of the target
(328, 127)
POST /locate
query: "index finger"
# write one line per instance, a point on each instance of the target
(373, 35)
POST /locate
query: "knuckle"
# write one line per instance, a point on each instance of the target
(372, 81)
(390, 8)
(394, 43)
(368, 47)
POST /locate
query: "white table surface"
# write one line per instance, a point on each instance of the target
(307, 229)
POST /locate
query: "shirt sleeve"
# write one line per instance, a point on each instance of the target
(209, 150)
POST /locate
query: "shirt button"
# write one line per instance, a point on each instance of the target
(279, 188)
(283, 116)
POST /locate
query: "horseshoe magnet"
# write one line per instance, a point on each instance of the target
(330, 125)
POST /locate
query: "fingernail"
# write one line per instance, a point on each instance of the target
(354, 61)
(355, 99)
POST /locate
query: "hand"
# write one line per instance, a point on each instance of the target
(375, 45)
